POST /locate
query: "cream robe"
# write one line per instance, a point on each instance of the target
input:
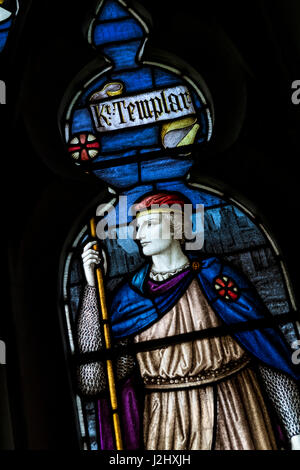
(201, 394)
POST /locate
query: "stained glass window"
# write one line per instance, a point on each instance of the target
(167, 337)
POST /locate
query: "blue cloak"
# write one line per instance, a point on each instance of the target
(133, 309)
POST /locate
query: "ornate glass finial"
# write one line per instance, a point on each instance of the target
(133, 116)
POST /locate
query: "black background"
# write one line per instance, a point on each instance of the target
(248, 53)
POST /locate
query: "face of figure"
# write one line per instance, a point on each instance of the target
(154, 233)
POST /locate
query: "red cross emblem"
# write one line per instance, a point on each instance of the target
(84, 147)
(226, 288)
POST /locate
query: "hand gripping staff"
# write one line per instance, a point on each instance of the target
(107, 338)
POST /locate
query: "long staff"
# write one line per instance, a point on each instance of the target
(109, 366)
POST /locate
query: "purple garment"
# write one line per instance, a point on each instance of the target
(163, 286)
(105, 425)
(129, 419)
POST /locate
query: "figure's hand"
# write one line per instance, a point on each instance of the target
(295, 443)
(90, 259)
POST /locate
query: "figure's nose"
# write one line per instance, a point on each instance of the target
(139, 234)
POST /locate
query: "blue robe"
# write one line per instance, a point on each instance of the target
(134, 309)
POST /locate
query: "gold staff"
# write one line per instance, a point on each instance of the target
(109, 366)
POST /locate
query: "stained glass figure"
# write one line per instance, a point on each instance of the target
(177, 304)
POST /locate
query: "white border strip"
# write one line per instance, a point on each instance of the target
(66, 274)
(70, 334)
(186, 78)
(271, 241)
(77, 239)
(207, 188)
(96, 76)
(80, 416)
(242, 207)
(72, 104)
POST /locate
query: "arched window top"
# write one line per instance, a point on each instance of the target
(133, 108)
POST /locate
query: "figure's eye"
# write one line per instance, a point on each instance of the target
(150, 223)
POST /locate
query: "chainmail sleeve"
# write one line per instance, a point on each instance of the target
(92, 375)
(285, 397)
